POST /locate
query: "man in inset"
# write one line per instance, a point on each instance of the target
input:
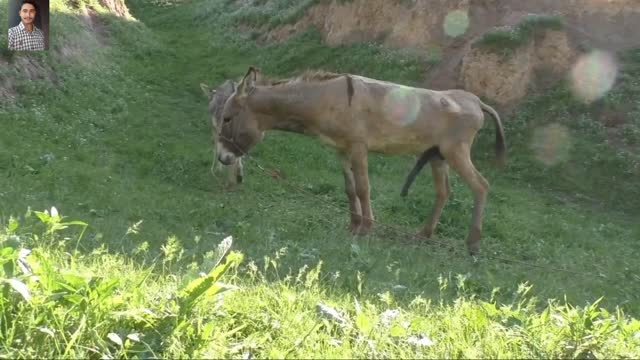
(26, 36)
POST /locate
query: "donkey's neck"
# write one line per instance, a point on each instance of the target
(283, 107)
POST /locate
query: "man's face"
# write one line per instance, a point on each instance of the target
(27, 13)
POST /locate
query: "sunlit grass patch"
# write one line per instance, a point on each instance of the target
(58, 301)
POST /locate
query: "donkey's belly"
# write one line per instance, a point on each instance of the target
(398, 145)
(394, 138)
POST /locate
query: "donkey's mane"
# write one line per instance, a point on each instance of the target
(306, 76)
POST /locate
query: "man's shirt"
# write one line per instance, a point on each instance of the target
(21, 39)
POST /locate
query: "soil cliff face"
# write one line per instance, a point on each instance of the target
(506, 78)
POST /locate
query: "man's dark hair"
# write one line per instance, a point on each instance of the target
(32, 2)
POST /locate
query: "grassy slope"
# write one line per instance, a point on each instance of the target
(134, 145)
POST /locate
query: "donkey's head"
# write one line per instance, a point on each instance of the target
(240, 130)
(217, 98)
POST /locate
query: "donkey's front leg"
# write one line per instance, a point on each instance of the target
(358, 156)
(215, 165)
(239, 171)
(232, 171)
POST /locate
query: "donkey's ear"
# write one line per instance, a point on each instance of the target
(229, 87)
(207, 90)
(248, 83)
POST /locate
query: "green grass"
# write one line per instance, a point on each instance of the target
(121, 142)
(508, 40)
(273, 13)
(269, 13)
(101, 304)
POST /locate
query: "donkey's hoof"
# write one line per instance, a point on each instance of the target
(474, 249)
(418, 237)
(239, 179)
(409, 238)
(353, 228)
(473, 241)
(426, 233)
(363, 230)
(422, 235)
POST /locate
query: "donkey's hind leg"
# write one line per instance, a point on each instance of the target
(440, 171)
(350, 189)
(358, 155)
(459, 157)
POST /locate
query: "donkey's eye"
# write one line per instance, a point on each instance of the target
(226, 119)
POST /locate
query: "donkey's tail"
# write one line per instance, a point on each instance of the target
(501, 148)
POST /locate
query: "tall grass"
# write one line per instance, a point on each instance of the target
(57, 301)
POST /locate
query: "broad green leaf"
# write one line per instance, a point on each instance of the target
(397, 331)
(207, 330)
(196, 288)
(74, 298)
(74, 281)
(107, 288)
(8, 257)
(13, 225)
(8, 253)
(233, 258)
(206, 286)
(364, 323)
(43, 216)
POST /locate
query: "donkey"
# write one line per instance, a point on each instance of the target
(217, 98)
(357, 115)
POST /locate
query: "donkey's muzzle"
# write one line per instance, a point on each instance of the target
(226, 159)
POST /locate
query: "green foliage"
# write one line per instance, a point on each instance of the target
(208, 286)
(83, 305)
(56, 303)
